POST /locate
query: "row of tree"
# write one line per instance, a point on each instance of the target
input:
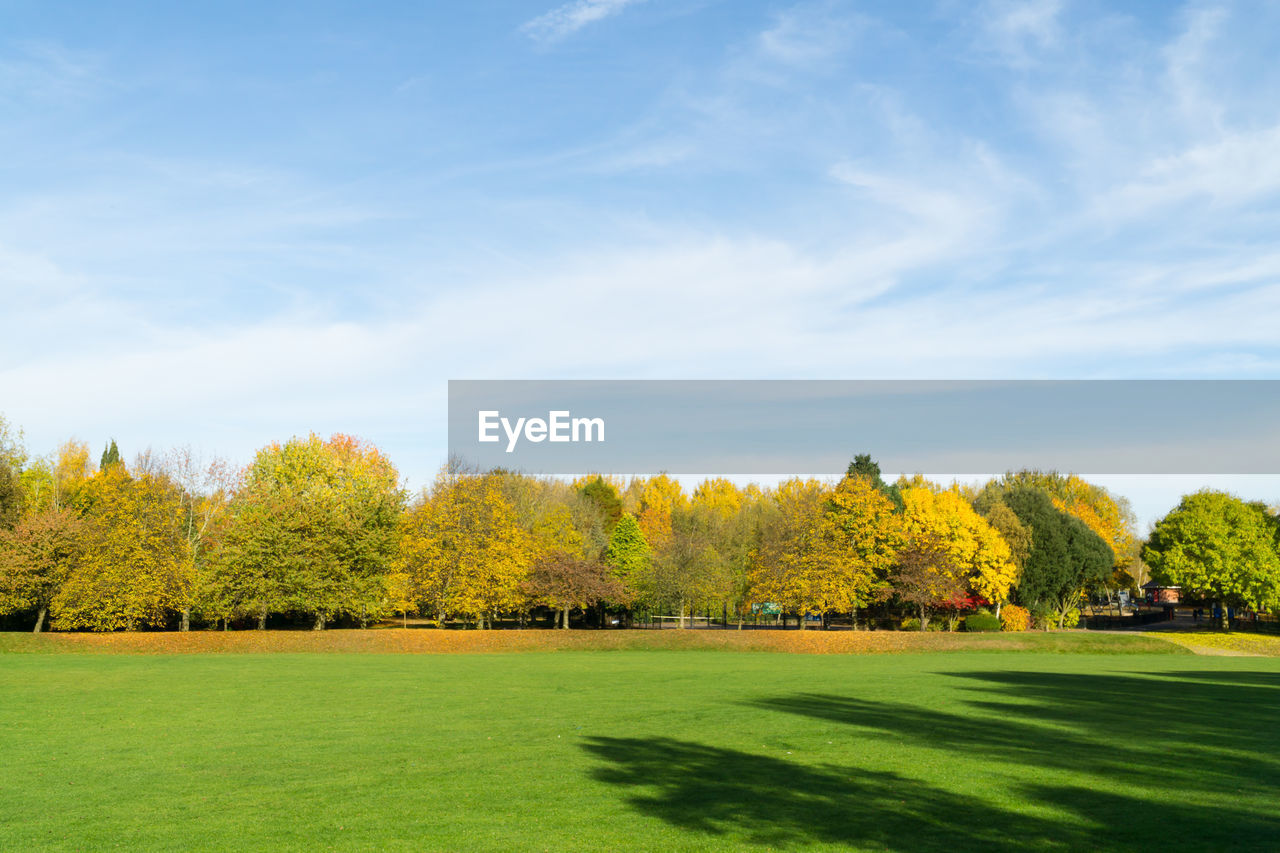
(322, 528)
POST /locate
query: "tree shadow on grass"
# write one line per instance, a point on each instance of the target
(1150, 732)
(768, 801)
(742, 798)
(1186, 761)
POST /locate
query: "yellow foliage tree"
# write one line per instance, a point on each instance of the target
(945, 519)
(464, 549)
(825, 550)
(136, 568)
(718, 496)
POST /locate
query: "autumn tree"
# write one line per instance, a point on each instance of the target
(313, 530)
(36, 558)
(660, 498)
(12, 450)
(927, 577)
(823, 550)
(1218, 547)
(205, 490)
(465, 549)
(11, 496)
(685, 571)
(734, 515)
(56, 481)
(989, 503)
(1105, 514)
(941, 518)
(867, 535)
(867, 468)
(135, 570)
(564, 581)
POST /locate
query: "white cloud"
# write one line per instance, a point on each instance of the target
(1019, 30)
(809, 35)
(1186, 57)
(47, 72)
(566, 20)
(1239, 168)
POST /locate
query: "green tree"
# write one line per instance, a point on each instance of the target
(110, 455)
(628, 553)
(605, 498)
(1066, 556)
(864, 466)
(686, 572)
(1218, 547)
(313, 530)
(1106, 514)
(990, 505)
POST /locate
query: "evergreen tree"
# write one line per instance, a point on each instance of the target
(1066, 556)
(110, 456)
(864, 466)
(605, 497)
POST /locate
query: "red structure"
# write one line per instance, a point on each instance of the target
(1157, 594)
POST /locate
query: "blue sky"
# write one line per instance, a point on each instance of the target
(228, 223)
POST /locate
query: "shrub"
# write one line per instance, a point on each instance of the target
(911, 624)
(981, 622)
(1071, 618)
(1014, 618)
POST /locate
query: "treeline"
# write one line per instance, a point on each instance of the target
(321, 530)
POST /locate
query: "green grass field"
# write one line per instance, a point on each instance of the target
(654, 750)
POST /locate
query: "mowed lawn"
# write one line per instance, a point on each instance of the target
(645, 750)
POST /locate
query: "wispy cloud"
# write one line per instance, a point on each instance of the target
(1017, 30)
(564, 21)
(810, 35)
(46, 72)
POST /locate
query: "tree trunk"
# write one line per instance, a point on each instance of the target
(262, 621)
(853, 619)
(564, 618)
(800, 620)
(319, 626)
(186, 620)
(682, 614)
(39, 621)
(924, 618)
(998, 606)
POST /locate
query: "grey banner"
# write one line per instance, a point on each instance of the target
(814, 427)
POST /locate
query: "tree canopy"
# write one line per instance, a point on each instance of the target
(1218, 547)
